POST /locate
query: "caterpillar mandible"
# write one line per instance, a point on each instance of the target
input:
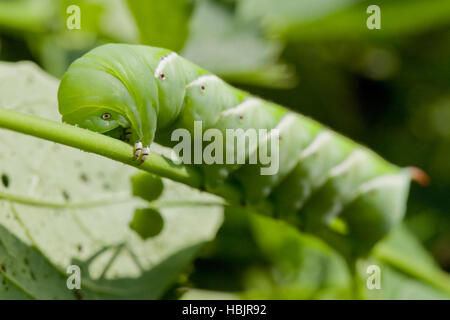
(142, 94)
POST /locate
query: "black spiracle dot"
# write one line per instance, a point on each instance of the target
(202, 88)
(241, 117)
(162, 76)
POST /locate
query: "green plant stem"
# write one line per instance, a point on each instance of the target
(93, 142)
(114, 149)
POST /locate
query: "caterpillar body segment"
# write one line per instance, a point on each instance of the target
(321, 179)
(325, 152)
(251, 115)
(294, 134)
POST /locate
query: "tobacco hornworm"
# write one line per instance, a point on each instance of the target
(326, 183)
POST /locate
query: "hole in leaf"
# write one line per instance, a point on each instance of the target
(147, 186)
(147, 223)
(66, 195)
(5, 180)
(84, 177)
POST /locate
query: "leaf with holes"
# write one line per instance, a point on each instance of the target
(62, 207)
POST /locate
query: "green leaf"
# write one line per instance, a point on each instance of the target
(337, 19)
(284, 14)
(25, 15)
(263, 258)
(235, 49)
(162, 23)
(401, 250)
(88, 223)
(396, 285)
(198, 294)
(42, 25)
(302, 266)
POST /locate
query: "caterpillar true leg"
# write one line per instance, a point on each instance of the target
(128, 134)
(145, 153)
(137, 150)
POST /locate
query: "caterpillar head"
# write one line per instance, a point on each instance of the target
(94, 100)
(102, 120)
(101, 91)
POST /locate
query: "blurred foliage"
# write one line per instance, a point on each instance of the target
(36, 29)
(265, 259)
(255, 257)
(344, 19)
(162, 23)
(387, 88)
(235, 49)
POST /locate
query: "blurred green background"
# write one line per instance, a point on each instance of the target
(386, 88)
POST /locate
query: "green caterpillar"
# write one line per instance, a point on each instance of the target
(326, 183)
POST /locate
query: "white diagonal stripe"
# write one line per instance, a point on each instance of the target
(204, 79)
(163, 63)
(246, 104)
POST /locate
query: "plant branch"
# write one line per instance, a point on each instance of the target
(114, 149)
